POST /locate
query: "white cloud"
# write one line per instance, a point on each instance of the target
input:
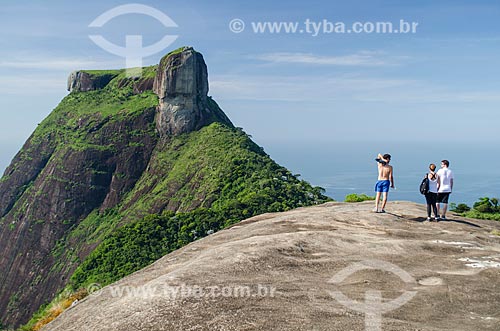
(348, 88)
(300, 88)
(365, 58)
(59, 64)
(56, 64)
(45, 74)
(32, 84)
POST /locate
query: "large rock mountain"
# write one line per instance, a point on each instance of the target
(114, 151)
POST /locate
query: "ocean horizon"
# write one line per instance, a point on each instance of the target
(346, 168)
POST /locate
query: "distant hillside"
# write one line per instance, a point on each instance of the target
(123, 171)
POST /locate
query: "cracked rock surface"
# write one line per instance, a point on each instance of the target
(284, 271)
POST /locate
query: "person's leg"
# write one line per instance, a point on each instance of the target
(444, 200)
(377, 200)
(445, 207)
(384, 200)
(428, 202)
(438, 204)
(385, 191)
(433, 204)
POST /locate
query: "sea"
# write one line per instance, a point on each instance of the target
(343, 168)
(350, 167)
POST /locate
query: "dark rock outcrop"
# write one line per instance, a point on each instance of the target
(139, 85)
(181, 84)
(84, 81)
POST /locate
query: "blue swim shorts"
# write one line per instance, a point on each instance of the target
(382, 185)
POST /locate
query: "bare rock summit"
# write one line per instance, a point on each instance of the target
(181, 84)
(313, 268)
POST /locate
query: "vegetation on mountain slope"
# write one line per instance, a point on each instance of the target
(217, 169)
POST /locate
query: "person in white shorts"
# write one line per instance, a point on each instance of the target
(445, 177)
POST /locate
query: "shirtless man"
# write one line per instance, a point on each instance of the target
(385, 180)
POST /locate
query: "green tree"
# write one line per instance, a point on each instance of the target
(461, 208)
(494, 201)
(484, 205)
(357, 197)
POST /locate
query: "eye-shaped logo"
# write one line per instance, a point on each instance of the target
(373, 307)
(133, 52)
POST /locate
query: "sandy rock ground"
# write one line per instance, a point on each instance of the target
(336, 266)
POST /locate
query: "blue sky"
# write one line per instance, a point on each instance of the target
(281, 88)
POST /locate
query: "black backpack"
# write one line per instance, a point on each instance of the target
(424, 185)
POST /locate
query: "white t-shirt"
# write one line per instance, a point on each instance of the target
(433, 185)
(445, 177)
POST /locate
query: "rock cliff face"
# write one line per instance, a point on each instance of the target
(181, 84)
(47, 190)
(84, 81)
(280, 272)
(112, 153)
